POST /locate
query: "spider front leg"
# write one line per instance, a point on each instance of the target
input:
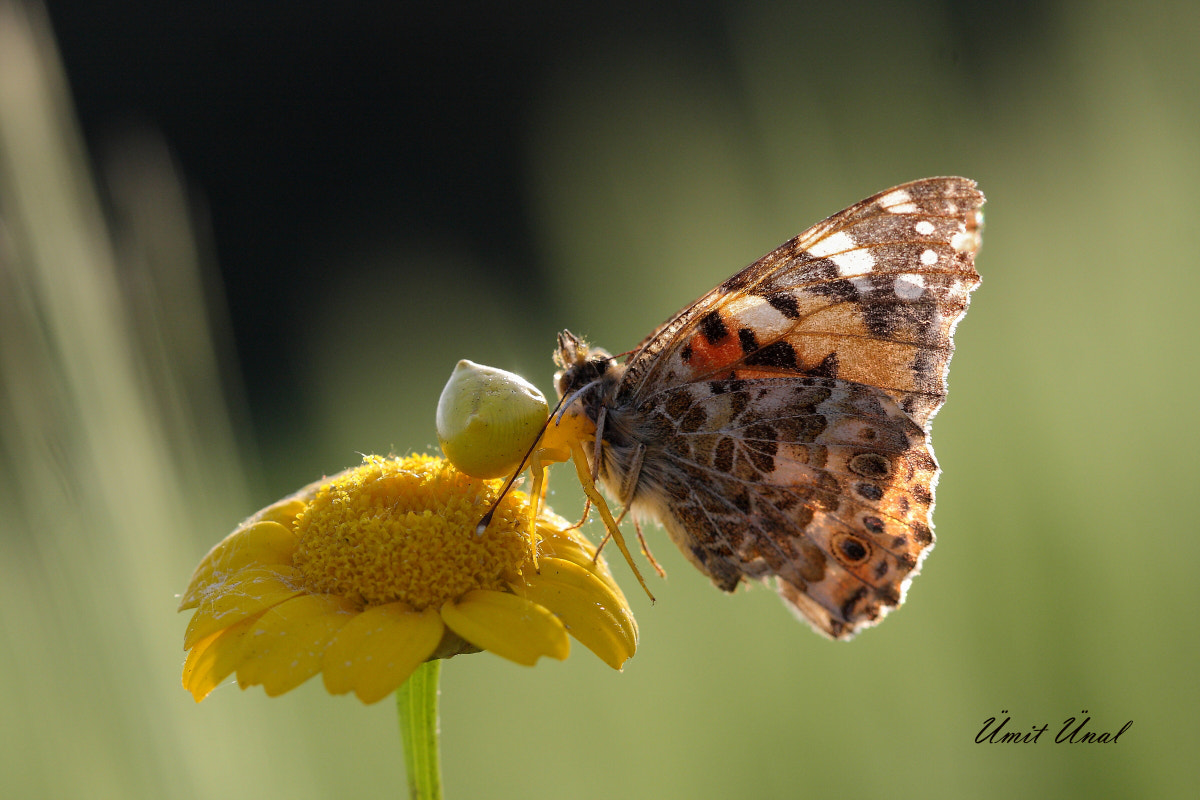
(584, 473)
(564, 439)
(539, 462)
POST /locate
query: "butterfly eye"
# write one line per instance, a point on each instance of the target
(488, 419)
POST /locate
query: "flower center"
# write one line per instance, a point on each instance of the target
(404, 529)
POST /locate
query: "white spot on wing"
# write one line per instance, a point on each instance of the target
(909, 287)
(924, 227)
(751, 311)
(969, 235)
(842, 250)
(898, 202)
(929, 258)
(965, 241)
(861, 284)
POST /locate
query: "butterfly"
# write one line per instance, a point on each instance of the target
(779, 426)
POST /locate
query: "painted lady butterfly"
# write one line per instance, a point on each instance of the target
(779, 425)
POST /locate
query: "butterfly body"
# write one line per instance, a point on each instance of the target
(779, 426)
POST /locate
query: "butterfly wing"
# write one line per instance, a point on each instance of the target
(871, 295)
(825, 484)
(785, 414)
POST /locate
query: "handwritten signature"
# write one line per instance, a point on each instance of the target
(1073, 731)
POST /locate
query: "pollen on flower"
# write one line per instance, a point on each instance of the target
(405, 531)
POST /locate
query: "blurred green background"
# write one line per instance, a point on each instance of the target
(237, 252)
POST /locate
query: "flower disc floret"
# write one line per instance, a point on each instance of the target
(394, 531)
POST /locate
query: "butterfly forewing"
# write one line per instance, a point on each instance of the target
(870, 295)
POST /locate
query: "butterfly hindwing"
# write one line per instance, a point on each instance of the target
(825, 484)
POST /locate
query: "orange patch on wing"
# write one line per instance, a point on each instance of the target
(712, 357)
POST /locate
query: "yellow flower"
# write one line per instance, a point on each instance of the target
(365, 575)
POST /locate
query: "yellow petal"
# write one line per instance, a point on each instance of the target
(285, 646)
(592, 613)
(509, 626)
(214, 658)
(377, 650)
(284, 512)
(260, 544)
(246, 593)
(557, 545)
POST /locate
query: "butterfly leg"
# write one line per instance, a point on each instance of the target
(594, 473)
(629, 485)
(587, 509)
(627, 489)
(637, 526)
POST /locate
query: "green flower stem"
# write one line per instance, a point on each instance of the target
(417, 705)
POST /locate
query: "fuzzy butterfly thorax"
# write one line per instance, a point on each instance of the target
(778, 427)
(582, 366)
(589, 379)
